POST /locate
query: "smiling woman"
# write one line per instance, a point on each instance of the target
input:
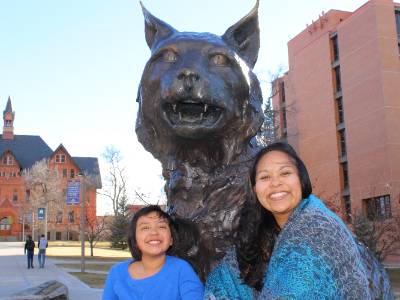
(290, 245)
(152, 274)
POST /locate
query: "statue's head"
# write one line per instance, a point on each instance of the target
(199, 87)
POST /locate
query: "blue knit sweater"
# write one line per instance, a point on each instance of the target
(315, 257)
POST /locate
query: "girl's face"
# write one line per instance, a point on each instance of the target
(153, 235)
(278, 186)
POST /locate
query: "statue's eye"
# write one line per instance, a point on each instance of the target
(219, 60)
(169, 56)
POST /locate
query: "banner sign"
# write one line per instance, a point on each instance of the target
(73, 192)
(41, 212)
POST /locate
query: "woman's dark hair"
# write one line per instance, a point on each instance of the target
(135, 251)
(258, 229)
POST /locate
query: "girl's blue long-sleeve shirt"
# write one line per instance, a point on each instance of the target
(176, 280)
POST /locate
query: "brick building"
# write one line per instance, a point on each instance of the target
(339, 106)
(21, 152)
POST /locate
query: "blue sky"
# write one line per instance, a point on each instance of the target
(72, 67)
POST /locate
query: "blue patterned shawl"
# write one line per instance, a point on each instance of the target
(315, 257)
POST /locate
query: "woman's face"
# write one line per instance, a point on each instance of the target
(278, 185)
(153, 235)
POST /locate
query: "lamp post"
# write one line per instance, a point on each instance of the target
(82, 223)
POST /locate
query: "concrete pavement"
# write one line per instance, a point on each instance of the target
(15, 276)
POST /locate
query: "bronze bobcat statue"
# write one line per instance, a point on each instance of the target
(199, 110)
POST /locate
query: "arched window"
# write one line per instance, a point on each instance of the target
(5, 223)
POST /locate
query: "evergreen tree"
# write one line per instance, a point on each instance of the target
(119, 225)
(269, 130)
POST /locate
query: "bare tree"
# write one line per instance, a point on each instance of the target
(94, 226)
(95, 229)
(381, 236)
(45, 187)
(116, 188)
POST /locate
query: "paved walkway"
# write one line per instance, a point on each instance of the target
(15, 276)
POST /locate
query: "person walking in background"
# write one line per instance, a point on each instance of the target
(29, 248)
(42, 245)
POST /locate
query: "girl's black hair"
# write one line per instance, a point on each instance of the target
(135, 251)
(258, 229)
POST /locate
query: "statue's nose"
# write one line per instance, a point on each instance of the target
(189, 78)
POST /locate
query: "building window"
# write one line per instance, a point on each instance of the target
(59, 217)
(378, 207)
(339, 107)
(347, 207)
(8, 123)
(282, 92)
(15, 196)
(338, 83)
(72, 173)
(345, 174)
(5, 224)
(342, 142)
(58, 236)
(71, 217)
(60, 158)
(335, 48)
(8, 160)
(65, 173)
(397, 16)
(283, 108)
(27, 195)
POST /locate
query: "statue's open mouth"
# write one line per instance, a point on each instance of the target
(192, 113)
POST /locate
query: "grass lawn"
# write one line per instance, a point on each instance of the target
(92, 280)
(77, 244)
(89, 258)
(73, 249)
(89, 267)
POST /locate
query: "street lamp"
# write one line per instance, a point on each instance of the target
(82, 223)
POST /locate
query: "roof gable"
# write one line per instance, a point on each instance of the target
(27, 149)
(89, 166)
(61, 150)
(9, 152)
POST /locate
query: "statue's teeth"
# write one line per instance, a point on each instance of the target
(205, 107)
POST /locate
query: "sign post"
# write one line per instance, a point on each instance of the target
(75, 196)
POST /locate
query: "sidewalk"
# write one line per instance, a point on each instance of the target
(15, 276)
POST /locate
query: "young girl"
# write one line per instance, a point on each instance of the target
(152, 274)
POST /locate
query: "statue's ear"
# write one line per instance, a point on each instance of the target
(155, 29)
(244, 36)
